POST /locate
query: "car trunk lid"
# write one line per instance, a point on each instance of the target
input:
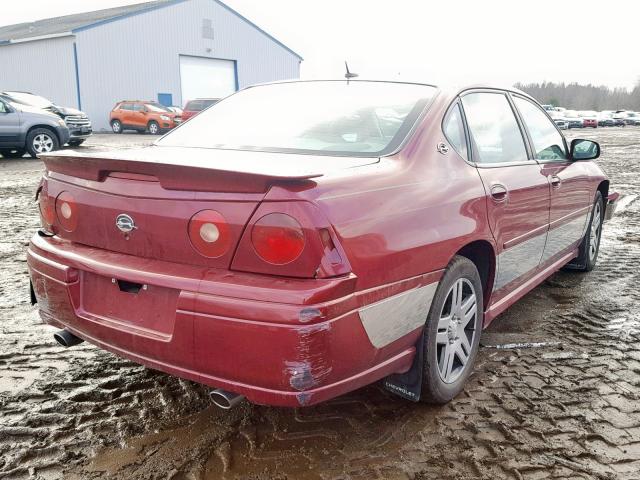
(161, 188)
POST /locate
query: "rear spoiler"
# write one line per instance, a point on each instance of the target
(184, 168)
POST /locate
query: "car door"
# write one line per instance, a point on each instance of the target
(517, 191)
(138, 116)
(571, 197)
(9, 125)
(124, 113)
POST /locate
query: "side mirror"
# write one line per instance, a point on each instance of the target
(584, 149)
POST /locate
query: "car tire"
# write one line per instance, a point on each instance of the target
(590, 245)
(41, 140)
(12, 152)
(153, 127)
(116, 126)
(448, 339)
(75, 143)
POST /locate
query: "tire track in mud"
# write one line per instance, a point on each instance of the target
(570, 409)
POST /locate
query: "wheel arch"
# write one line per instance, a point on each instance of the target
(483, 256)
(603, 188)
(46, 127)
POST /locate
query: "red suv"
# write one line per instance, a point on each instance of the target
(142, 116)
(299, 240)
(194, 107)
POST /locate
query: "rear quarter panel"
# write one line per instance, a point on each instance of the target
(409, 213)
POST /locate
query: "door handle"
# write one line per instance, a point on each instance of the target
(499, 192)
(555, 180)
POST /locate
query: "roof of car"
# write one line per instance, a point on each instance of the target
(448, 89)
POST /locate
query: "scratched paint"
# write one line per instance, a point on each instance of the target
(311, 366)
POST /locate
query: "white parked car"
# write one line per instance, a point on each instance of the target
(559, 120)
(574, 120)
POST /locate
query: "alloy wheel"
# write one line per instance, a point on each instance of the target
(153, 129)
(594, 233)
(42, 143)
(456, 330)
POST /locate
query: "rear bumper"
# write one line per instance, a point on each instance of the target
(285, 342)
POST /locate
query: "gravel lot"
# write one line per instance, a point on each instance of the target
(567, 409)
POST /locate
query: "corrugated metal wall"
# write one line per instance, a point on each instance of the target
(44, 67)
(138, 57)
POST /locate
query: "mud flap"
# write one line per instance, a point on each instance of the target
(409, 384)
(34, 300)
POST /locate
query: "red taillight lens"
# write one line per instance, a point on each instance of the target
(47, 213)
(67, 211)
(277, 238)
(209, 233)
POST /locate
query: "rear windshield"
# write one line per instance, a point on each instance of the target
(199, 105)
(331, 118)
(208, 102)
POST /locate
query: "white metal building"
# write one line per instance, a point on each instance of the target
(166, 50)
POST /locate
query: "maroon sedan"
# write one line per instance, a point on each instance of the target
(300, 240)
(194, 107)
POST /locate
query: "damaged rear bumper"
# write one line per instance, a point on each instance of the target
(286, 342)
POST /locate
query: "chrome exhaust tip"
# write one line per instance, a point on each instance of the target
(225, 400)
(66, 338)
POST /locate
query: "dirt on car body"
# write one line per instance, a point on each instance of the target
(555, 393)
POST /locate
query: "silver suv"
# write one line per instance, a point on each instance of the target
(78, 123)
(27, 129)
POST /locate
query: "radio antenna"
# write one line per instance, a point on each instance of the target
(349, 75)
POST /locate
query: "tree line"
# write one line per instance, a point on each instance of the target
(583, 97)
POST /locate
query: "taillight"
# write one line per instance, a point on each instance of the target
(209, 233)
(67, 211)
(47, 213)
(277, 238)
(291, 239)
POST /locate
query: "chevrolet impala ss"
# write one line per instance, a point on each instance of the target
(299, 240)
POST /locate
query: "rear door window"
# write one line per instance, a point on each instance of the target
(454, 131)
(493, 127)
(547, 141)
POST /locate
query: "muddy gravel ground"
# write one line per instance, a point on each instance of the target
(568, 407)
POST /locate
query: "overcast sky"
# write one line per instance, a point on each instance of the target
(450, 41)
